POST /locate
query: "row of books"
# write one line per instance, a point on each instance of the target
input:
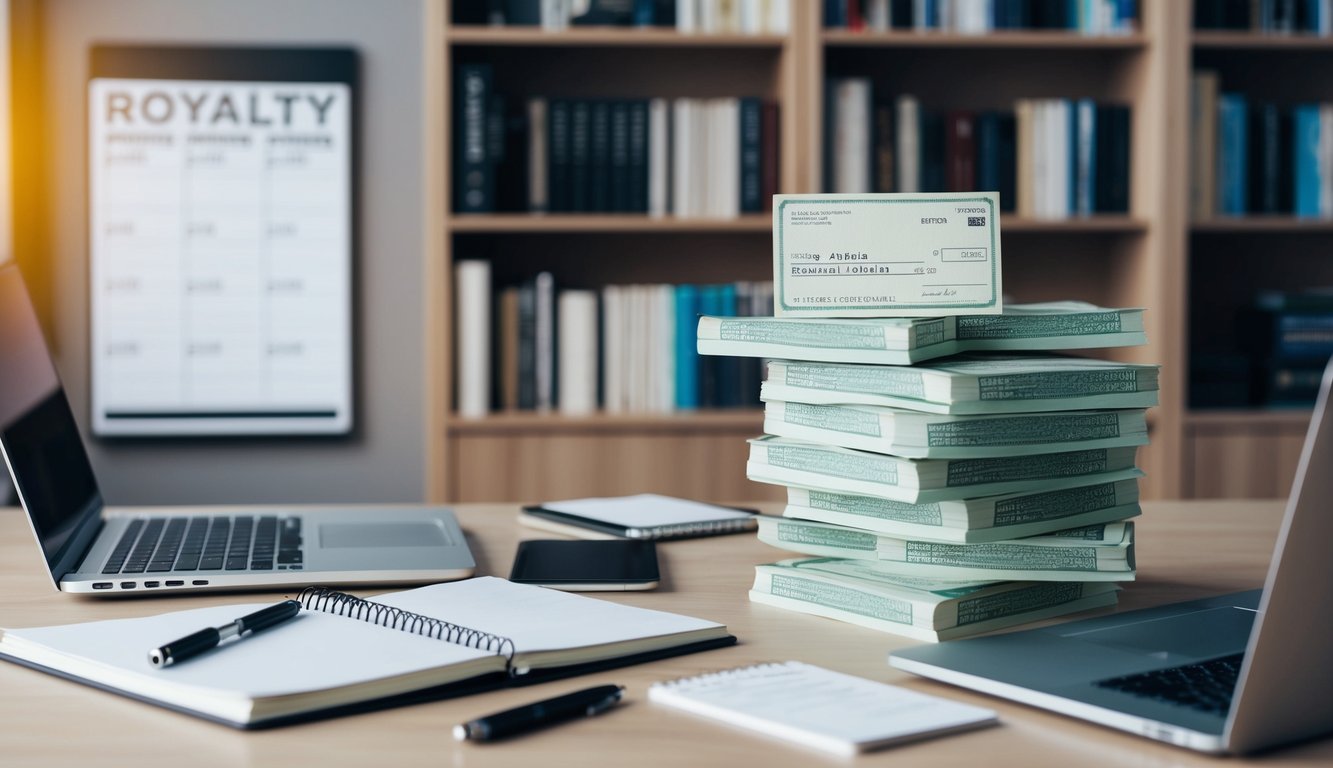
(715, 158)
(1258, 157)
(1091, 17)
(1271, 16)
(920, 488)
(1049, 158)
(751, 17)
(621, 348)
(1283, 341)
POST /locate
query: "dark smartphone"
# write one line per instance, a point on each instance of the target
(587, 566)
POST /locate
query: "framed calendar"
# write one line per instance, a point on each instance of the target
(221, 242)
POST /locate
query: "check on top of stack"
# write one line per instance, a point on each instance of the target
(957, 495)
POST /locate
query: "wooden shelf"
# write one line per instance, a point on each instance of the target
(1262, 224)
(1106, 223)
(1256, 41)
(605, 37)
(1034, 40)
(530, 223)
(531, 422)
(1249, 418)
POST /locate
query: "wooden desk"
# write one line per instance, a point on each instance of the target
(1186, 550)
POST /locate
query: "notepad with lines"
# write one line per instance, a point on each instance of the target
(344, 654)
(818, 707)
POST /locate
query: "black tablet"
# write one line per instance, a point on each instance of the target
(587, 566)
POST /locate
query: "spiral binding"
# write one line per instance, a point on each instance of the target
(342, 604)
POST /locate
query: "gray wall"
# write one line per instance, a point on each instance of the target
(383, 460)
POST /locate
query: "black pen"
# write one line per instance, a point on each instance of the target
(530, 717)
(205, 639)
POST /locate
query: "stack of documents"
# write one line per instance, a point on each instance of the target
(947, 476)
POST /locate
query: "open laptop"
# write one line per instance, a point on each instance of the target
(1236, 673)
(97, 550)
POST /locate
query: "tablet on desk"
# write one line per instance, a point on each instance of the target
(587, 566)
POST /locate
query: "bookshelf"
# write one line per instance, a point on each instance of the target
(1236, 451)
(1153, 256)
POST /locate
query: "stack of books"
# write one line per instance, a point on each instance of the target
(939, 497)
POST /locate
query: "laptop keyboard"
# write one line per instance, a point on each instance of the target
(241, 543)
(1206, 686)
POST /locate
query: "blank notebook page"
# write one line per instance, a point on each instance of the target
(818, 707)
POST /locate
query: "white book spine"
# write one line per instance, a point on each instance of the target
(658, 155)
(751, 16)
(577, 326)
(909, 144)
(545, 346)
(613, 367)
(681, 117)
(731, 143)
(666, 347)
(779, 17)
(555, 15)
(851, 155)
(538, 194)
(877, 15)
(472, 283)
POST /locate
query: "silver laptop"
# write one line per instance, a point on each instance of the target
(1236, 673)
(97, 550)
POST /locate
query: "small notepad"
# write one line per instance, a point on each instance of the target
(644, 516)
(818, 707)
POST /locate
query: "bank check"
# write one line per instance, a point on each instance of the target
(886, 255)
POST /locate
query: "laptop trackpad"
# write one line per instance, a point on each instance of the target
(1200, 634)
(347, 535)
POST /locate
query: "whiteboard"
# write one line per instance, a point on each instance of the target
(221, 241)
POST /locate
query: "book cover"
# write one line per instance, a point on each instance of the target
(620, 197)
(558, 147)
(1232, 149)
(474, 177)
(751, 156)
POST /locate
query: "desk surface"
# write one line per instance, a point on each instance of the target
(1186, 550)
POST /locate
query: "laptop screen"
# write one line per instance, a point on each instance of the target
(40, 441)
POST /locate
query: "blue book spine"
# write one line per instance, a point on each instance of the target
(1305, 159)
(687, 353)
(1233, 146)
(644, 13)
(1126, 13)
(1087, 157)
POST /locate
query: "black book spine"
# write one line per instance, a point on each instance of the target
(1118, 161)
(638, 156)
(523, 12)
(751, 143)
(664, 13)
(987, 162)
(1265, 170)
(1286, 169)
(527, 346)
(512, 162)
(900, 14)
(474, 177)
(620, 200)
(580, 164)
(557, 154)
(599, 158)
(932, 151)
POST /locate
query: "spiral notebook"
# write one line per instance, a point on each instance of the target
(343, 654)
(643, 516)
(819, 708)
